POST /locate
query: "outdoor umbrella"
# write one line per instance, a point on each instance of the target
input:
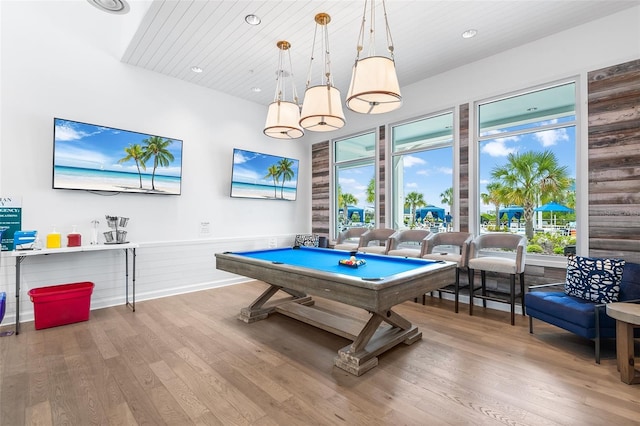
(554, 207)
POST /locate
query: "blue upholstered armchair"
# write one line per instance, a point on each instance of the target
(584, 317)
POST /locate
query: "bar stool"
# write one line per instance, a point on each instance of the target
(378, 237)
(407, 242)
(438, 247)
(504, 265)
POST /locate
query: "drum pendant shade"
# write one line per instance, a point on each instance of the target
(374, 86)
(283, 121)
(283, 117)
(322, 106)
(322, 109)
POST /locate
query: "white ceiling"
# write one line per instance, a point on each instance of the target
(174, 36)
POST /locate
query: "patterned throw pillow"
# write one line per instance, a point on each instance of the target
(306, 240)
(597, 280)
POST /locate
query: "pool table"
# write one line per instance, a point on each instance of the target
(376, 286)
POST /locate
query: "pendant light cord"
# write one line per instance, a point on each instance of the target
(372, 44)
(326, 78)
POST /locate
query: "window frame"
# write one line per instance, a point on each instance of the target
(581, 164)
(333, 186)
(391, 188)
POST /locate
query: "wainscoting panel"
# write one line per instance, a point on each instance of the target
(162, 269)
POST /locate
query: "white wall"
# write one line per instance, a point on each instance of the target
(57, 62)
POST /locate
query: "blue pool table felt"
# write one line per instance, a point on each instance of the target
(326, 260)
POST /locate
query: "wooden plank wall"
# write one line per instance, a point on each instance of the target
(614, 161)
(381, 184)
(463, 190)
(320, 189)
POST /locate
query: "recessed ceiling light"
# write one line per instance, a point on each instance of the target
(196, 69)
(252, 20)
(256, 89)
(112, 6)
(469, 33)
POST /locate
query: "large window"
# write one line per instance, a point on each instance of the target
(422, 168)
(355, 181)
(527, 167)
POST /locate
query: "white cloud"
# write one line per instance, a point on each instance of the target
(238, 158)
(411, 185)
(66, 132)
(498, 148)
(445, 170)
(552, 137)
(348, 182)
(410, 160)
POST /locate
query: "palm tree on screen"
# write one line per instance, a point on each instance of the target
(412, 200)
(156, 147)
(529, 177)
(135, 153)
(273, 172)
(285, 172)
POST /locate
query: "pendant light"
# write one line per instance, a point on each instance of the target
(283, 117)
(374, 87)
(322, 107)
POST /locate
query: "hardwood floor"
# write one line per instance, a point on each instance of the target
(186, 360)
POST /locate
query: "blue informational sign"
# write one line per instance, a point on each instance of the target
(10, 220)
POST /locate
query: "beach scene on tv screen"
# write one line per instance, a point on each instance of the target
(99, 158)
(257, 175)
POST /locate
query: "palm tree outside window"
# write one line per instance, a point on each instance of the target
(527, 158)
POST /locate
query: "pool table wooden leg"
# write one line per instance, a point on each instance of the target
(256, 311)
(362, 355)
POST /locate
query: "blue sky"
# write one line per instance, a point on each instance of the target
(431, 172)
(494, 152)
(98, 147)
(252, 167)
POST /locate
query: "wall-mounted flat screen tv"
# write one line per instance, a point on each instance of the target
(92, 157)
(257, 175)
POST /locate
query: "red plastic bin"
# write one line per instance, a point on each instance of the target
(61, 304)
